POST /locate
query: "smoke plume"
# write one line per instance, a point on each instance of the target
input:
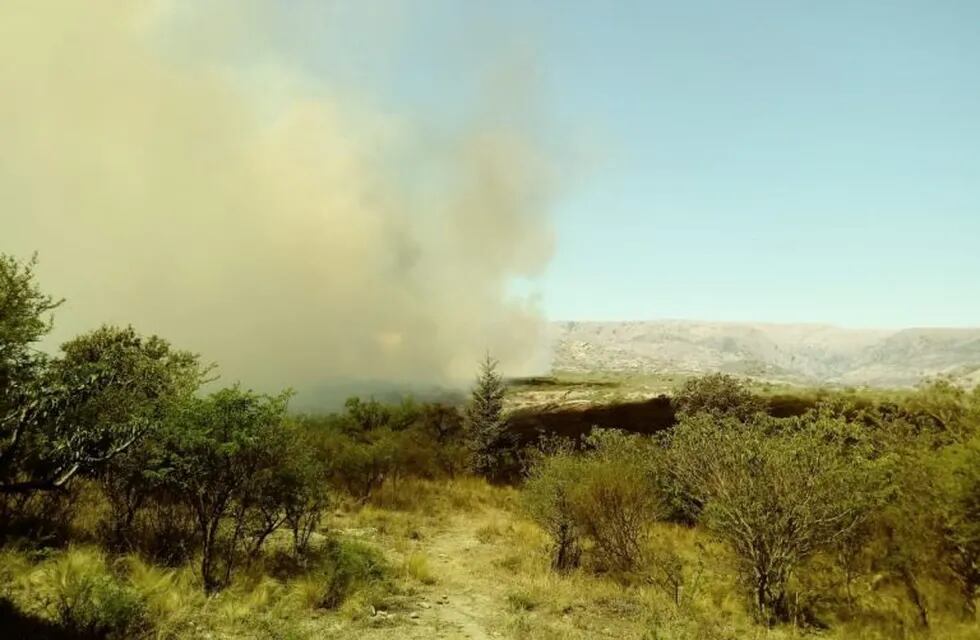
(289, 232)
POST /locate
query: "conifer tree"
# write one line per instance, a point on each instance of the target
(485, 421)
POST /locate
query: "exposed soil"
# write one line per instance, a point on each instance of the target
(466, 601)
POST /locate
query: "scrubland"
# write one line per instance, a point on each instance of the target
(432, 559)
(137, 503)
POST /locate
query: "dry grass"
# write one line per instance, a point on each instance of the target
(417, 567)
(457, 537)
(442, 497)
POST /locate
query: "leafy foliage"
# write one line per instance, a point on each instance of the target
(24, 320)
(615, 500)
(863, 503)
(719, 395)
(549, 500)
(776, 491)
(370, 443)
(217, 458)
(604, 494)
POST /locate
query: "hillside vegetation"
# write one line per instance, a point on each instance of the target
(133, 504)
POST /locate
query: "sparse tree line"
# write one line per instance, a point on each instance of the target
(181, 473)
(865, 491)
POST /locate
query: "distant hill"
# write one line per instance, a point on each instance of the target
(796, 353)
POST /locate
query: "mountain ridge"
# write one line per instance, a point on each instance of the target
(810, 353)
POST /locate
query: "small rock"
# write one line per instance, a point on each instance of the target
(424, 605)
(413, 615)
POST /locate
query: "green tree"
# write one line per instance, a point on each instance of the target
(24, 319)
(288, 490)
(958, 469)
(777, 491)
(485, 421)
(945, 411)
(69, 415)
(359, 449)
(717, 394)
(443, 428)
(106, 390)
(219, 458)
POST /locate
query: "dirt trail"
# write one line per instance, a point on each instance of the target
(464, 568)
(467, 601)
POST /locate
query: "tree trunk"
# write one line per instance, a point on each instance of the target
(209, 532)
(770, 594)
(915, 595)
(567, 552)
(207, 568)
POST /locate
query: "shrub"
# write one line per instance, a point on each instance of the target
(348, 567)
(719, 395)
(604, 493)
(40, 518)
(776, 491)
(99, 607)
(946, 411)
(614, 500)
(86, 600)
(522, 600)
(173, 598)
(371, 445)
(962, 521)
(549, 500)
(416, 566)
(361, 466)
(442, 426)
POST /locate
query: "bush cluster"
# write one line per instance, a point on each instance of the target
(856, 493)
(369, 443)
(881, 491)
(602, 494)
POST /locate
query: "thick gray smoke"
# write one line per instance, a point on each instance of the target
(289, 233)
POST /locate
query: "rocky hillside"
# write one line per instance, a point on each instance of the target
(795, 353)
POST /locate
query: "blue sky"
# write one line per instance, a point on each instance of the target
(758, 160)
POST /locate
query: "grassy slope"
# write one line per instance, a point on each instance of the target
(463, 563)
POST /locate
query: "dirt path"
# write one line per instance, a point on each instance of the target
(467, 601)
(473, 597)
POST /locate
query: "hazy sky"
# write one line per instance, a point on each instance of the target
(313, 189)
(752, 160)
